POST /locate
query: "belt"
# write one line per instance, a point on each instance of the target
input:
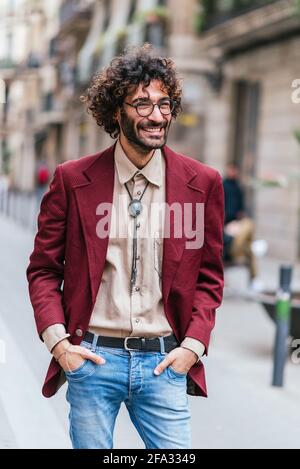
(153, 344)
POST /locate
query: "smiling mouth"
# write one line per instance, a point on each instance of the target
(153, 130)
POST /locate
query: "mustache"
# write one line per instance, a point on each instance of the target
(159, 126)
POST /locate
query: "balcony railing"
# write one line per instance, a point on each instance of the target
(216, 12)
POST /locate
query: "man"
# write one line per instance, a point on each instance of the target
(239, 229)
(234, 196)
(135, 313)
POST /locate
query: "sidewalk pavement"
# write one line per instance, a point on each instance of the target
(242, 411)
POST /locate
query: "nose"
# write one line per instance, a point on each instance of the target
(156, 115)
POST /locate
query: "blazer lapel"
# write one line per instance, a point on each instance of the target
(98, 189)
(179, 190)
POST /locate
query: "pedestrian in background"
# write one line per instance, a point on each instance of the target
(239, 228)
(42, 180)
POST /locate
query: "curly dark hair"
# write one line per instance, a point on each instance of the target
(109, 87)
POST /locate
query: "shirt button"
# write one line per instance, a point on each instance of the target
(79, 332)
(137, 321)
(137, 288)
(137, 258)
(138, 193)
(138, 224)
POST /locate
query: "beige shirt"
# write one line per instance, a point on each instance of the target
(118, 310)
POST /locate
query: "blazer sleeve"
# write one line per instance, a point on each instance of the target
(210, 281)
(45, 271)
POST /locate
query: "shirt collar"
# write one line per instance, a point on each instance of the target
(126, 169)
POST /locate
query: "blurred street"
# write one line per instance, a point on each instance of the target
(242, 411)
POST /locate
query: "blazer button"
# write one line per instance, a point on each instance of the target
(79, 332)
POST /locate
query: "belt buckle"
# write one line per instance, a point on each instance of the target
(126, 340)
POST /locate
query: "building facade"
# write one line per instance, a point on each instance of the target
(240, 64)
(252, 110)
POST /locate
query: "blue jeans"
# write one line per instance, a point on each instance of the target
(157, 405)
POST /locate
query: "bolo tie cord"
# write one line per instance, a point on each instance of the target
(135, 208)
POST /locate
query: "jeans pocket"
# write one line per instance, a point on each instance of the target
(86, 369)
(176, 376)
(78, 368)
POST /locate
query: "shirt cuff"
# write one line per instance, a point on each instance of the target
(53, 335)
(194, 345)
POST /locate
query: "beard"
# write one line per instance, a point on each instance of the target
(142, 139)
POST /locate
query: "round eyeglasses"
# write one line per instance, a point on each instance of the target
(145, 108)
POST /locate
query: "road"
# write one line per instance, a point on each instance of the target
(242, 411)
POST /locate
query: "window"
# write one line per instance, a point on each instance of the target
(214, 12)
(247, 101)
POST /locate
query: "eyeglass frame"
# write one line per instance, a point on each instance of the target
(172, 103)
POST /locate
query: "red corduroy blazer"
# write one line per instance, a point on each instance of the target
(67, 262)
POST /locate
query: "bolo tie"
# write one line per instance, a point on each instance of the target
(135, 209)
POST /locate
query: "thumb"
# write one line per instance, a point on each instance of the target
(162, 366)
(93, 357)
